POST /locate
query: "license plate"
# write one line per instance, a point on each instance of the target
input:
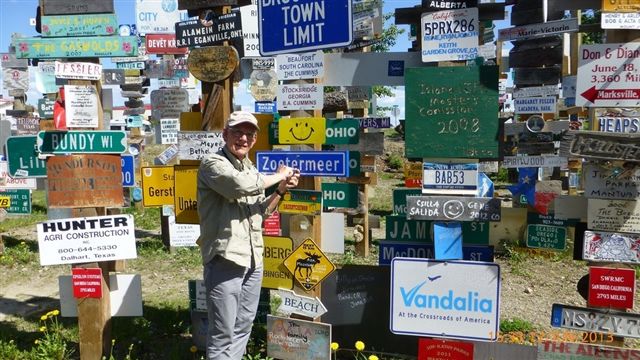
(450, 178)
(596, 320)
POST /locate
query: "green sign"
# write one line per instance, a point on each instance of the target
(354, 163)
(85, 142)
(342, 131)
(45, 108)
(398, 228)
(74, 47)
(546, 237)
(79, 25)
(20, 201)
(400, 199)
(340, 195)
(452, 112)
(23, 157)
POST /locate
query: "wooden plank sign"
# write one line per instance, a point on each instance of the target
(196, 145)
(193, 33)
(602, 246)
(75, 47)
(602, 183)
(284, 334)
(87, 180)
(434, 128)
(453, 208)
(65, 7)
(614, 215)
(599, 145)
(213, 63)
(79, 25)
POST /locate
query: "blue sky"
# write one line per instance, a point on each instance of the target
(15, 16)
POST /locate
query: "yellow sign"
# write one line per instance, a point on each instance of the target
(302, 131)
(309, 265)
(191, 121)
(5, 201)
(621, 5)
(306, 202)
(186, 189)
(275, 275)
(413, 171)
(157, 185)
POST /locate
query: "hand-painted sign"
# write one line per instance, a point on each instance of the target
(548, 161)
(81, 240)
(87, 180)
(611, 247)
(310, 163)
(79, 25)
(300, 97)
(611, 287)
(185, 199)
(157, 185)
(196, 145)
(453, 208)
(546, 237)
(64, 142)
(538, 30)
(614, 215)
(293, 303)
(23, 158)
(303, 26)
(157, 17)
(433, 128)
(86, 282)
(300, 66)
(64, 7)
(449, 35)
(169, 103)
(82, 106)
(75, 47)
(163, 44)
(213, 63)
(557, 350)
(341, 195)
(307, 202)
(450, 178)
(616, 323)
(309, 265)
(599, 145)
(473, 313)
(392, 249)
(607, 75)
(308, 130)
(9, 60)
(284, 334)
(193, 33)
(606, 183)
(535, 105)
(19, 201)
(276, 275)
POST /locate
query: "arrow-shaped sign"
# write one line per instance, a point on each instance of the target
(611, 94)
(302, 305)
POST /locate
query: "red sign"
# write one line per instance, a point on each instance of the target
(163, 44)
(87, 282)
(272, 225)
(609, 287)
(413, 183)
(434, 349)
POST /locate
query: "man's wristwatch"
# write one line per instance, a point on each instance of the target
(281, 194)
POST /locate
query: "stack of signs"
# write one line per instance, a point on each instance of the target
(367, 23)
(299, 67)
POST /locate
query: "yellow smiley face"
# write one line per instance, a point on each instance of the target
(302, 131)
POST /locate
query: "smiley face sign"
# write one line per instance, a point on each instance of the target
(302, 131)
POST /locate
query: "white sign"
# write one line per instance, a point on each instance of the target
(449, 299)
(569, 86)
(604, 246)
(9, 183)
(78, 70)
(196, 145)
(601, 183)
(158, 16)
(167, 155)
(535, 161)
(619, 124)
(614, 215)
(450, 35)
(81, 106)
(308, 65)
(535, 105)
(183, 234)
(608, 75)
(538, 30)
(452, 178)
(82, 240)
(15, 79)
(169, 131)
(293, 303)
(628, 20)
(124, 299)
(546, 90)
(250, 37)
(169, 83)
(300, 97)
(169, 103)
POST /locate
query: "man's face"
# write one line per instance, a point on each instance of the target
(240, 139)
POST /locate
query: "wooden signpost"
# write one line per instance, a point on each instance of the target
(599, 145)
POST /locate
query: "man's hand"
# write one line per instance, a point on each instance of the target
(285, 172)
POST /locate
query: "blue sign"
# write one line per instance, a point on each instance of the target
(396, 68)
(266, 107)
(303, 25)
(447, 239)
(310, 163)
(485, 186)
(128, 172)
(390, 249)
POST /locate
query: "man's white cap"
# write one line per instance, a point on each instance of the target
(238, 117)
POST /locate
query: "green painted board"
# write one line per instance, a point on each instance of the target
(85, 142)
(340, 195)
(398, 228)
(400, 199)
(23, 158)
(20, 201)
(452, 112)
(546, 237)
(74, 47)
(79, 25)
(342, 131)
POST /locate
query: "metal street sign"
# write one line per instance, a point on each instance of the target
(391, 249)
(19, 201)
(341, 195)
(342, 131)
(538, 30)
(604, 246)
(157, 185)
(73, 141)
(310, 163)
(79, 25)
(617, 323)
(309, 265)
(548, 161)
(23, 157)
(304, 25)
(293, 303)
(546, 237)
(128, 170)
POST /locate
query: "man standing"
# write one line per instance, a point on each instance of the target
(231, 206)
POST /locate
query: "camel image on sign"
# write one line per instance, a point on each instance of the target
(308, 265)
